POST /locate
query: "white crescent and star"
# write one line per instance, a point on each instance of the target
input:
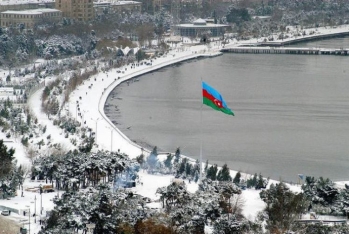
(217, 103)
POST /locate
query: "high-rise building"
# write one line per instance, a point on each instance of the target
(81, 10)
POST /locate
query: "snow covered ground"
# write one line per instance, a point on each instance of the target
(90, 97)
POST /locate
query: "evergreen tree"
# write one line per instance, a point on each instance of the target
(177, 155)
(261, 182)
(252, 182)
(6, 158)
(188, 169)
(140, 159)
(152, 159)
(283, 207)
(196, 176)
(196, 168)
(237, 177)
(168, 161)
(224, 174)
(104, 209)
(155, 151)
(182, 166)
(212, 172)
(28, 119)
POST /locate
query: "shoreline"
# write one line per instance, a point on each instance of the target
(113, 85)
(122, 142)
(106, 127)
(140, 143)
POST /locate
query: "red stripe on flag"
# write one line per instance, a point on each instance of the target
(207, 95)
(210, 97)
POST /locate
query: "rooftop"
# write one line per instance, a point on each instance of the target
(114, 2)
(32, 11)
(17, 2)
(201, 23)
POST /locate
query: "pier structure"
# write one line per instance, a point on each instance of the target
(314, 37)
(285, 50)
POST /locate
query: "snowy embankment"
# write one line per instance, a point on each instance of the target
(294, 34)
(91, 96)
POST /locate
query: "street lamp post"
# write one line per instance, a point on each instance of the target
(29, 218)
(111, 138)
(40, 199)
(96, 121)
(35, 209)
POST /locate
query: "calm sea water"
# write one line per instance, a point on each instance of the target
(292, 112)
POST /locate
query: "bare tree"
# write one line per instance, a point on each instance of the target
(145, 34)
(237, 203)
(31, 154)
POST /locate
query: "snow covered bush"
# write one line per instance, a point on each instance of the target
(56, 46)
(227, 225)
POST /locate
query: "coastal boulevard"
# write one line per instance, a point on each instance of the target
(292, 112)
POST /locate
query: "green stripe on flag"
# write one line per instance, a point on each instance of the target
(208, 102)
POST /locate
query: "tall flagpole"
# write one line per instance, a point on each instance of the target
(200, 178)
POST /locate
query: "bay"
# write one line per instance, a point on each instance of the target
(292, 112)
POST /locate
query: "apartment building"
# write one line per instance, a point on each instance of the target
(81, 10)
(114, 6)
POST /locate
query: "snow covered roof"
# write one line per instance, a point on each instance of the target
(125, 2)
(126, 50)
(115, 2)
(18, 2)
(201, 26)
(200, 22)
(32, 11)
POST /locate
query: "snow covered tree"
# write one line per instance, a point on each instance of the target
(6, 159)
(212, 172)
(174, 195)
(177, 155)
(87, 144)
(152, 159)
(168, 161)
(237, 177)
(252, 182)
(320, 191)
(224, 174)
(261, 183)
(110, 212)
(283, 207)
(140, 159)
(75, 170)
(182, 166)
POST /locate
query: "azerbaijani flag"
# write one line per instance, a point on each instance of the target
(214, 99)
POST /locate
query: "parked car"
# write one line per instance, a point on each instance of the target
(5, 212)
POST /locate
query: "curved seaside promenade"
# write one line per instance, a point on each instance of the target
(91, 101)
